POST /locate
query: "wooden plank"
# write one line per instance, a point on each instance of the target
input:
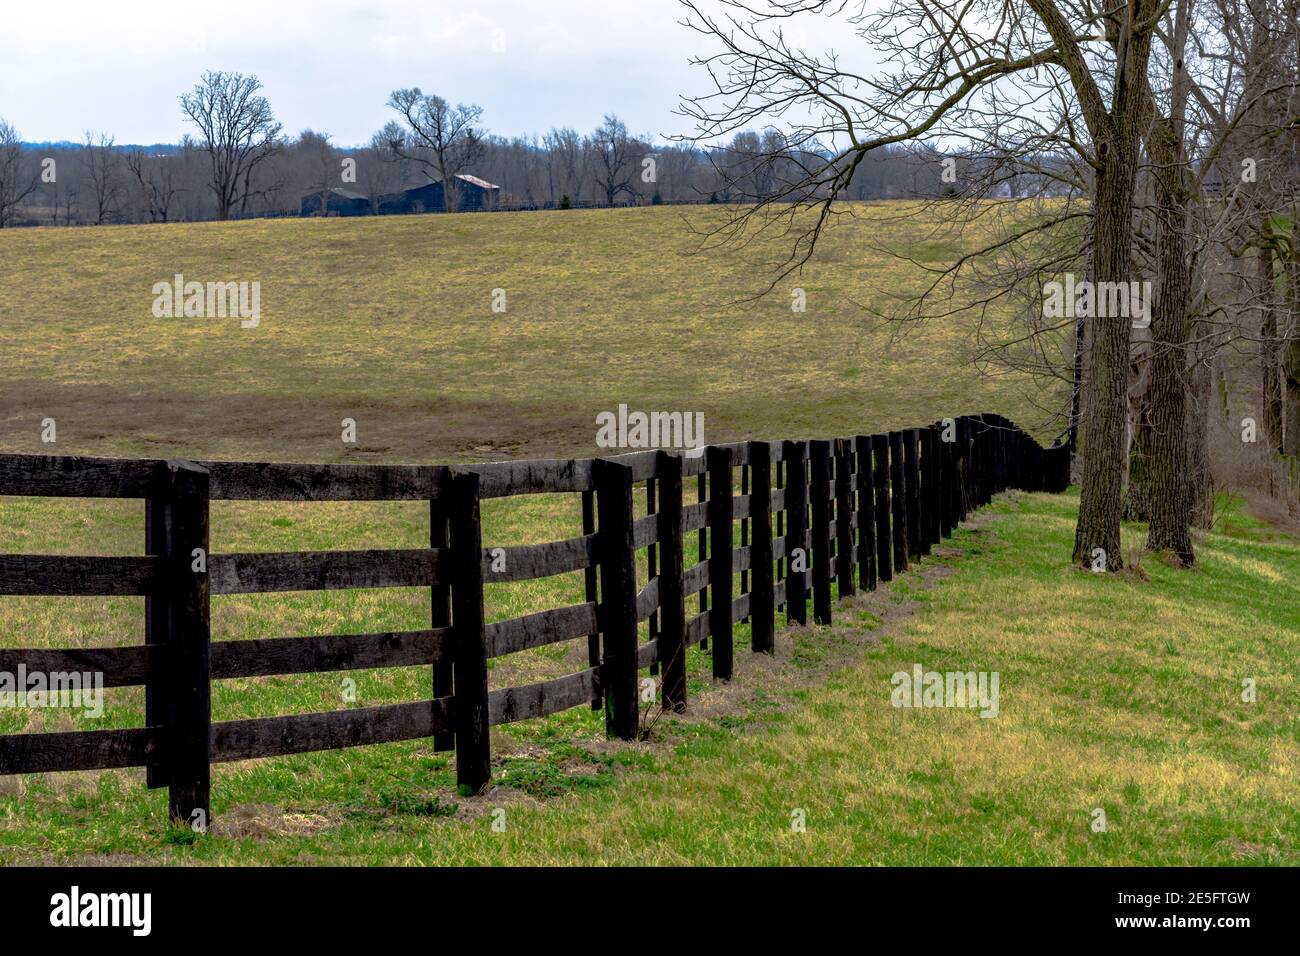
(618, 598)
(277, 481)
(762, 607)
(186, 664)
(695, 517)
(721, 503)
(697, 628)
(80, 750)
(645, 531)
(267, 572)
(796, 490)
(528, 562)
(73, 575)
(72, 476)
(506, 479)
(509, 704)
(672, 593)
(696, 578)
(741, 559)
(469, 654)
(117, 666)
(330, 730)
(265, 657)
(647, 601)
(819, 458)
(647, 654)
(740, 606)
(539, 629)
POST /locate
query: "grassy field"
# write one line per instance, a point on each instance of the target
(1122, 694)
(388, 321)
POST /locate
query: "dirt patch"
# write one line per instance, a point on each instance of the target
(259, 820)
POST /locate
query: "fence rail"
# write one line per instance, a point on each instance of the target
(849, 512)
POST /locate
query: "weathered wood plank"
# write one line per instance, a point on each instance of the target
(265, 657)
(73, 476)
(253, 572)
(696, 578)
(505, 479)
(537, 630)
(645, 531)
(647, 600)
(120, 666)
(331, 730)
(80, 750)
(276, 481)
(721, 515)
(72, 575)
(509, 704)
(528, 562)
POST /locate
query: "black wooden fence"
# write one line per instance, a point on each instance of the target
(849, 512)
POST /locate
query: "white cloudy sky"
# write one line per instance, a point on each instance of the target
(76, 65)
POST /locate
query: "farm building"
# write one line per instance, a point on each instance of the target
(473, 194)
(340, 202)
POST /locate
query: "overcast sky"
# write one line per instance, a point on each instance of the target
(329, 65)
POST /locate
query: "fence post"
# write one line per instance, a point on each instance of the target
(947, 509)
(189, 712)
(672, 604)
(469, 658)
(589, 589)
(155, 624)
(880, 481)
(932, 483)
(844, 516)
(762, 610)
(616, 549)
(863, 480)
(819, 482)
(441, 617)
(721, 515)
(651, 572)
(796, 508)
(916, 536)
(702, 545)
(898, 500)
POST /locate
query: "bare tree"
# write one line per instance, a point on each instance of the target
(101, 165)
(614, 154)
(439, 136)
(238, 132)
(17, 180)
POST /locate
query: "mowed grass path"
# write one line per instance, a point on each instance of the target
(1117, 693)
(389, 321)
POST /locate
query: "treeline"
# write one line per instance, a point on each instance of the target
(238, 163)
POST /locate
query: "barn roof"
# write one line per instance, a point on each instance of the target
(480, 183)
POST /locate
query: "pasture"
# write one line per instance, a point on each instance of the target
(1121, 694)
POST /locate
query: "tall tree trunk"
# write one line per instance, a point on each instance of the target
(1103, 431)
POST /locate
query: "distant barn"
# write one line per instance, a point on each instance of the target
(472, 195)
(339, 202)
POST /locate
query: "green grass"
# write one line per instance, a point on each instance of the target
(1117, 692)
